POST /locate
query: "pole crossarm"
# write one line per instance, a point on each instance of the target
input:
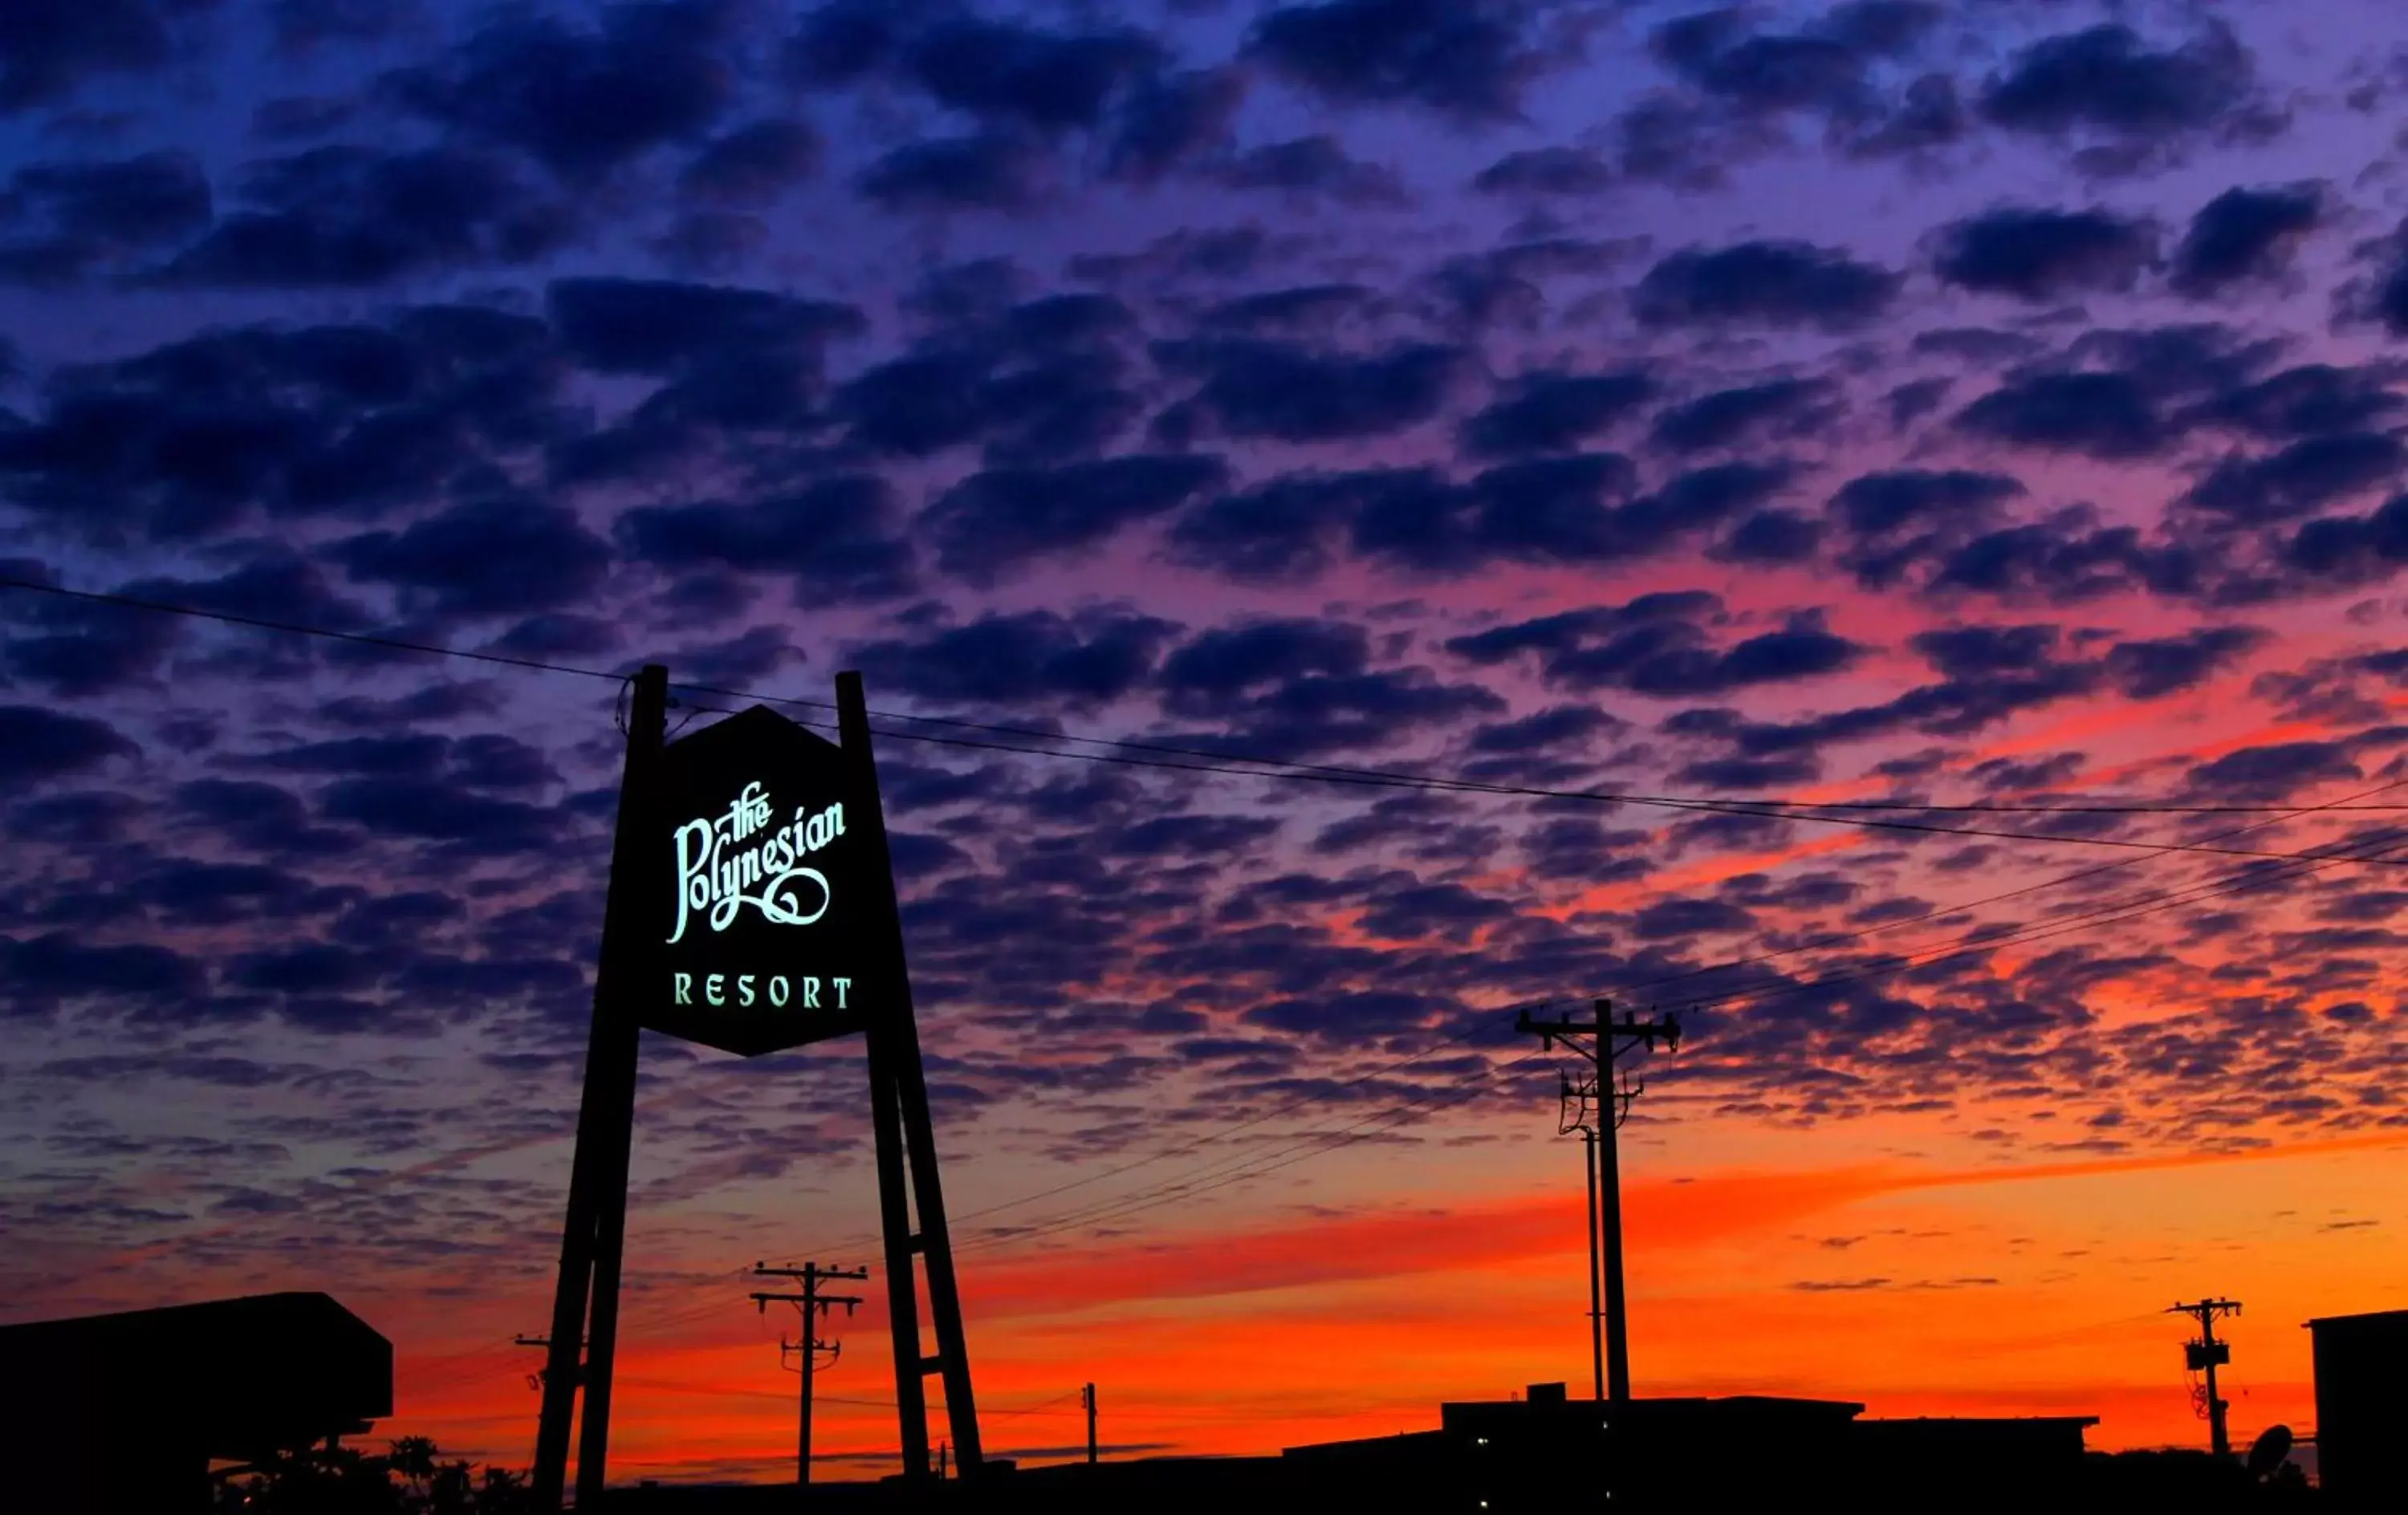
(849, 1301)
(2206, 1310)
(1603, 1041)
(811, 1270)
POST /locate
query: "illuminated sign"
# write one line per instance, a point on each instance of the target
(764, 896)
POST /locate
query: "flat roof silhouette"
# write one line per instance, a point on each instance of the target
(127, 1411)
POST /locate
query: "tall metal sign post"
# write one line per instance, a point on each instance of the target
(751, 909)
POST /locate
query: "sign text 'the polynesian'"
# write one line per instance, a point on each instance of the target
(724, 863)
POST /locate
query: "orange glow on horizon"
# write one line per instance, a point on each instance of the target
(1922, 1298)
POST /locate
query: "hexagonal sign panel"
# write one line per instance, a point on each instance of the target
(769, 892)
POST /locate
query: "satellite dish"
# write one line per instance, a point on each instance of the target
(2266, 1452)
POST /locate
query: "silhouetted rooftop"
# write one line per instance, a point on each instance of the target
(125, 1411)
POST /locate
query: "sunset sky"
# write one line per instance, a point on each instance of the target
(1990, 404)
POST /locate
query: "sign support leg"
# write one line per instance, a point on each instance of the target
(609, 1244)
(902, 1278)
(562, 1360)
(899, 1099)
(937, 1247)
(598, 1183)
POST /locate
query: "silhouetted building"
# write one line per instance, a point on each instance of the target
(2015, 1458)
(1547, 1452)
(2361, 1365)
(116, 1414)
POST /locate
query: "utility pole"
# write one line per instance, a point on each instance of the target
(535, 1380)
(1576, 1104)
(813, 1306)
(2206, 1355)
(1087, 1397)
(1603, 1041)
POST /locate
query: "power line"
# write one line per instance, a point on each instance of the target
(1834, 939)
(1633, 797)
(1255, 1167)
(1313, 1144)
(1033, 1409)
(1223, 1172)
(1461, 1036)
(1979, 940)
(1169, 1410)
(393, 644)
(2130, 908)
(1247, 1165)
(673, 1386)
(1230, 1171)
(1766, 810)
(1308, 1097)
(1252, 1165)
(1223, 761)
(1976, 941)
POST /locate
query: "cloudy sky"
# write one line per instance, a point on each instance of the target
(1987, 405)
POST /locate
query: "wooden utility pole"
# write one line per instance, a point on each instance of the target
(1603, 1041)
(813, 1306)
(1578, 1103)
(1087, 1397)
(535, 1380)
(2206, 1355)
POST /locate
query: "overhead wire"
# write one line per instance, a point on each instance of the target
(1767, 810)
(231, 618)
(1313, 1144)
(1831, 939)
(2105, 916)
(1991, 939)
(1339, 771)
(1252, 1165)
(1223, 1172)
(1226, 760)
(1480, 1022)
(1223, 761)
(2264, 867)
(1985, 939)
(1310, 1096)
